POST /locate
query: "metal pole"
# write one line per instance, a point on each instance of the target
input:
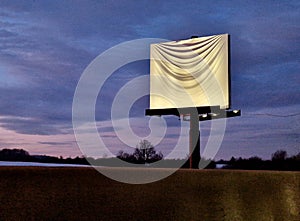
(194, 158)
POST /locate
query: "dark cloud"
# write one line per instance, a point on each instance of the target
(32, 126)
(55, 143)
(5, 34)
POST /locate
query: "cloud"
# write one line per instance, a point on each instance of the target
(55, 143)
(33, 126)
(261, 133)
(33, 143)
(46, 45)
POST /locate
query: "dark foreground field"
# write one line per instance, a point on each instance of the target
(28, 193)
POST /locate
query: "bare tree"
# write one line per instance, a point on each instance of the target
(143, 153)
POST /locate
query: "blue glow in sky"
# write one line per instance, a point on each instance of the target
(46, 45)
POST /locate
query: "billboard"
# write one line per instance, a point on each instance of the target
(190, 73)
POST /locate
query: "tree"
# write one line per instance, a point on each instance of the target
(279, 155)
(123, 155)
(296, 157)
(14, 154)
(143, 153)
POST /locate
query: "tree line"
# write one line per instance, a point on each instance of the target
(24, 156)
(145, 153)
(279, 161)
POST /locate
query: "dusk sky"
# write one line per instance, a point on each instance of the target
(46, 45)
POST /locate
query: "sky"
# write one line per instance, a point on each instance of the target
(45, 46)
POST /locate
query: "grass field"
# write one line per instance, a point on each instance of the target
(34, 193)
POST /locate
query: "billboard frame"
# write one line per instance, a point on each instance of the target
(200, 113)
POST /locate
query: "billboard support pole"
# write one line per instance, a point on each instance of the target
(200, 114)
(194, 144)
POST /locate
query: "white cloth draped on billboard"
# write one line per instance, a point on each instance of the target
(190, 73)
